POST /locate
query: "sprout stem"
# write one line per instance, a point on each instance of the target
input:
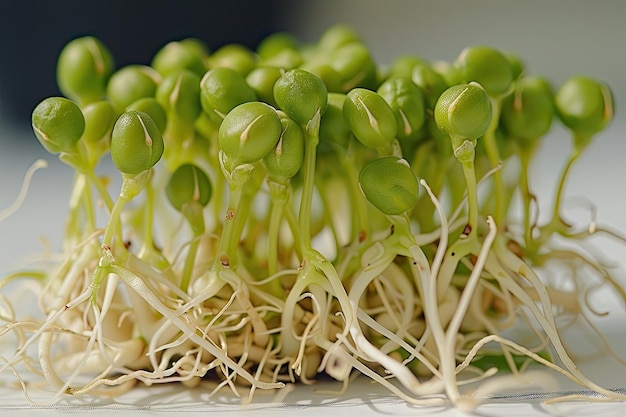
(491, 148)
(558, 195)
(279, 195)
(472, 197)
(304, 217)
(226, 254)
(361, 228)
(525, 154)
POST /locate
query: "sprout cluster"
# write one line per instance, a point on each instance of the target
(236, 164)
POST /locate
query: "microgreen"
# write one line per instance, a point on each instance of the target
(315, 212)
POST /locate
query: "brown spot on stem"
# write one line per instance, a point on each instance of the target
(230, 214)
(516, 248)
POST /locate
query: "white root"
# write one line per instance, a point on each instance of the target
(19, 200)
(138, 285)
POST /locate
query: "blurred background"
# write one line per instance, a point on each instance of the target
(556, 39)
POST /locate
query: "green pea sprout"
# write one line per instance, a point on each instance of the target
(301, 211)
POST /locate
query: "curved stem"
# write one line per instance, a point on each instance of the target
(558, 195)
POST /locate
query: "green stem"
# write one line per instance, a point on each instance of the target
(72, 222)
(290, 216)
(89, 210)
(361, 228)
(132, 185)
(226, 252)
(114, 225)
(148, 241)
(193, 211)
(469, 239)
(78, 162)
(472, 196)
(525, 154)
(304, 217)
(327, 217)
(104, 194)
(189, 263)
(558, 199)
(491, 148)
(280, 195)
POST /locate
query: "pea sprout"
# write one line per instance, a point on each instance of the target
(299, 210)
(83, 69)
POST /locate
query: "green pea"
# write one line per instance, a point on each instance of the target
(262, 80)
(407, 102)
(517, 65)
(355, 66)
(333, 126)
(234, 56)
(336, 36)
(276, 43)
(248, 133)
(486, 66)
(584, 105)
(131, 83)
(136, 143)
(151, 106)
(58, 124)
(285, 160)
(179, 94)
(177, 56)
(448, 71)
(222, 89)
(527, 112)
(206, 127)
(99, 119)
(322, 70)
(390, 185)
(370, 118)
(286, 60)
(302, 96)
(189, 184)
(430, 82)
(197, 47)
(464, 111)
(83, 69)
(403, 65)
